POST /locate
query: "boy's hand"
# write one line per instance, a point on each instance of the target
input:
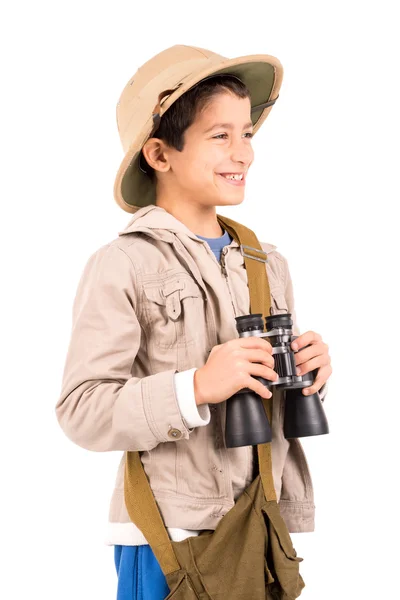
(313, 357)
(229, 368)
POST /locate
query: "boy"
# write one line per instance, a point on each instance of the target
(154, 350)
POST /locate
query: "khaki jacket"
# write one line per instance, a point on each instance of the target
(152, 302)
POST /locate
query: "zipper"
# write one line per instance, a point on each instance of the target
(225, 274)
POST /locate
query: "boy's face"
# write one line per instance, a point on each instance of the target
(210, 150)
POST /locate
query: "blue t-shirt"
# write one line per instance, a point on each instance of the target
(216, 244)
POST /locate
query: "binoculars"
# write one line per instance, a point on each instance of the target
(246, 420)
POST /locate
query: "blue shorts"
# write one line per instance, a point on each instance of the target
(139, 574)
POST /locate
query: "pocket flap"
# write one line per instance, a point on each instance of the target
(190, 289)
(172, 286)
(155, 294)
(272, 512)
(280, 301)
(160, 292)
(174, 307)
(181, 287)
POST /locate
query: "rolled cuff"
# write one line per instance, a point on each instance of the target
(323, 391)
(162, 410)
(193, 415)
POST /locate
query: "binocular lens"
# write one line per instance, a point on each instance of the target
(276, 321)
(249, 323)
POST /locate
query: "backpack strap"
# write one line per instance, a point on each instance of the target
(260, 302)
(145, 514)
(139, 498)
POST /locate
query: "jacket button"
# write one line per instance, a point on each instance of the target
(175, 433)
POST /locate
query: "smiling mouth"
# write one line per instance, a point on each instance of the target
(233, 176)
(237, 181)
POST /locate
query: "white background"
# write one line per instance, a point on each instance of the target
(323, 188)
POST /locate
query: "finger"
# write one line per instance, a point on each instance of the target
(258, 370)
(314, 363)
(309, 337)
(321, 378)
(259, 356)
(305, 354)
(257, 387)
(254, 342)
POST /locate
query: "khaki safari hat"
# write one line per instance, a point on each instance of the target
(158, 84)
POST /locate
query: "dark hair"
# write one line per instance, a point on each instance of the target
(184, 111)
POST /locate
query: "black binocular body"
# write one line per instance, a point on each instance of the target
(246, 420)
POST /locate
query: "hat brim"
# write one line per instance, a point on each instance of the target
(261, 73)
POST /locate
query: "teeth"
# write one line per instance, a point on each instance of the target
(234, 176)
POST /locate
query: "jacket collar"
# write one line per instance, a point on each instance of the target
(158, 223)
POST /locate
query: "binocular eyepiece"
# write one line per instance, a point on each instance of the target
(246, 420)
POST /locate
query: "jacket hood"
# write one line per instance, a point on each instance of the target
(158, 223)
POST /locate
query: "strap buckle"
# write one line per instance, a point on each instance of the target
(243, 253)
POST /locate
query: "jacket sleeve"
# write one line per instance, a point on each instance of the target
(289, 296)
(102, 407)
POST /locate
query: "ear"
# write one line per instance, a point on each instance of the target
(154, 151)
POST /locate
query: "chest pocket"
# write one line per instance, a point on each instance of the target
(278, 304)
(174, 310)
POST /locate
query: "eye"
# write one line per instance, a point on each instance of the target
(216, 137)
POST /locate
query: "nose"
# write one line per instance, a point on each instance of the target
(242, 152)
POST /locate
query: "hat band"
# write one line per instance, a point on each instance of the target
(264, 105)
